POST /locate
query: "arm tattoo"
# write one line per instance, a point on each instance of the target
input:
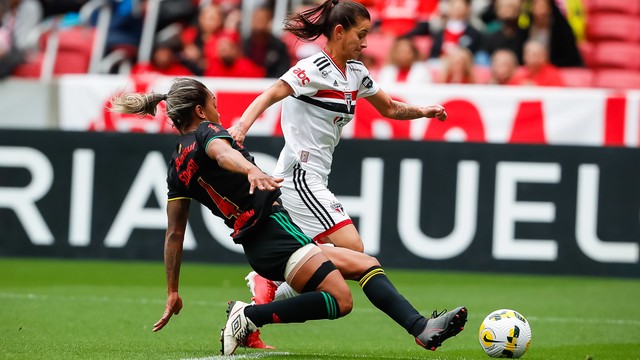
(402, 111)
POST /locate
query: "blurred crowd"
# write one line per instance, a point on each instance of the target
(514, 42)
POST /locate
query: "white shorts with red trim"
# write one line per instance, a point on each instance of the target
(311, 205)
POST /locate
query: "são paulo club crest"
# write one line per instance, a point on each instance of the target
(337, 207)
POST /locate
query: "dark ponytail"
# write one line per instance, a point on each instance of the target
(322, 19)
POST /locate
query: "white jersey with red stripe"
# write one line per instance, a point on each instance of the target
(323, 102)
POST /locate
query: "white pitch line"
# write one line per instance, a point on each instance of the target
(159, 301)
(243, 356)
(313, 355)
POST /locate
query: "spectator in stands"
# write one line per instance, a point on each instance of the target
(405, 64)
(504, 65)
(56, 7)
(457, 67)
(537, 69)
(264, 49)
(457, 30)
(508, 34)
(164, 61)
(404, 18)
(549, 27)
(229, 61)
(125, 27)
(17, 19)
(200, 42)
(175, 11)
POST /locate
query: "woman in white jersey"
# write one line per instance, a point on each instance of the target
(320, 95)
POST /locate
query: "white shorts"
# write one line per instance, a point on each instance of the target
(311, 205)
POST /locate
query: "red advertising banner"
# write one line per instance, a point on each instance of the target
(477, 113)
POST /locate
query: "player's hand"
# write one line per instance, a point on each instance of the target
(237, 133)
(261, 181)
(436, 111)
(174, 305)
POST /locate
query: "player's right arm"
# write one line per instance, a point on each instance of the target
(230, 159)
(177, 215)
(278, 91)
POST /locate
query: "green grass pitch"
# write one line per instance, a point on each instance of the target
(54, 309)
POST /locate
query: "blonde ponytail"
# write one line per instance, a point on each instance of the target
(139, 104)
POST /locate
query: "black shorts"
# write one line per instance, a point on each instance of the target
(272, 244)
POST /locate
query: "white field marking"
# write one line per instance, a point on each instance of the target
(268, 354)
(222, 304)
(243, 356)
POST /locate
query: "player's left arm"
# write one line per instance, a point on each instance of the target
(398, 110)
(177, 215)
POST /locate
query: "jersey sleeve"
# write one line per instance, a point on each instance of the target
(368, 86)
(208, 131)
(303, 78)
(174, 192)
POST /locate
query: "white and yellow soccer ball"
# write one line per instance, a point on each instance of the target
(505, 333)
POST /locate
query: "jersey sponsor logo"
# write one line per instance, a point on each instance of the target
(337, 207)
(302, 76)
(214, 127)
(183, 154)
(335, 83)
(325, 73)
(367, 82)
(186, 175)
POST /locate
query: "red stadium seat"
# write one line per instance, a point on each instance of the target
(617, 79)
(72, 56)
(622, 6)
(617, 55)
(74, 51)
(586, 51)
(613, 27)
(577, 77)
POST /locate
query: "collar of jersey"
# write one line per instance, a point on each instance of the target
(335, 65)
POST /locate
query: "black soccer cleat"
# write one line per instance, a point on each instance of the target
(441, 326)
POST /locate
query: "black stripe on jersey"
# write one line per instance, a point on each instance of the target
(355, 62)
(324, 66)
(340, 108)
(310, 201)
(322, 63)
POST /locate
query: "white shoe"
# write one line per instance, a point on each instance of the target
(237, 328)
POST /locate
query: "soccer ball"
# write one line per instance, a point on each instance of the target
(505, 334)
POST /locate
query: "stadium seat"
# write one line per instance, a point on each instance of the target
(586, 51)
(74, 51)
(72, 55)
(613, 27)
(577, 77)
(617, 79)
(617, 55)
(621, 6)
